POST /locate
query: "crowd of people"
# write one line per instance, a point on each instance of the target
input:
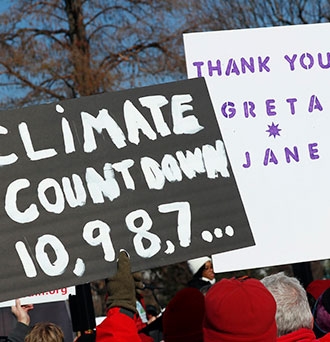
(275, 308)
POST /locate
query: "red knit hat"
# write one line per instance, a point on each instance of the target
(317, 287)
(183, 317)
(240, 310)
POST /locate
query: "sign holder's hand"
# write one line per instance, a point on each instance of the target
(22, 312)
(121, 287)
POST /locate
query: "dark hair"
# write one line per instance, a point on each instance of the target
(325, 299)
(151, 310)
(199, 273)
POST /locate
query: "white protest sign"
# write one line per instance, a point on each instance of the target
(44, 297)
(270, 91)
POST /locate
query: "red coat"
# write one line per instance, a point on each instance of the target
(325, 338)
(303, 335)
(119, 327)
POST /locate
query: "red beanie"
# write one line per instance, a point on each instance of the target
(183, 317)
(317, 287)
(240, 310)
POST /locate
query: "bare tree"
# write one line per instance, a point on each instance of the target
(237, 14)
(56, 49)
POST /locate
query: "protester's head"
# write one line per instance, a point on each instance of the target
(315, 289)
(239, 309)
(201, 267)
(321, 313)
(151, 311)
(45, 332)
(293, 310)
(183, 317)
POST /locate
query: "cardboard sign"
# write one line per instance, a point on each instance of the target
(143, 170)
(269, 88)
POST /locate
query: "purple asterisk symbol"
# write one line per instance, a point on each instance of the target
(273, 130)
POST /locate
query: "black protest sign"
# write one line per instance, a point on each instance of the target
(144, 170)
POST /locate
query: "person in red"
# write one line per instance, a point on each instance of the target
(317, 287)
(294, 318)
(321, 314)
(120, 325)
(239, 310)
(183, 317)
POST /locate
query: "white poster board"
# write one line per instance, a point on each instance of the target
(270, 91)
(57, 295)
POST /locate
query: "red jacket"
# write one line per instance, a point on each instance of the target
(119, 327)
(303, 335)
(325, 338)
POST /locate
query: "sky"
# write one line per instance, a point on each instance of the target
(4, 4)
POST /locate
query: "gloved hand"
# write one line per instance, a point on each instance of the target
(121, 287)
